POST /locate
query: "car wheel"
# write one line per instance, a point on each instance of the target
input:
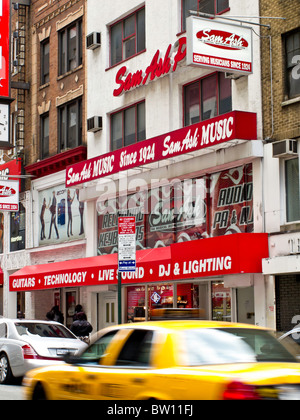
(5, 370)
(39, 393)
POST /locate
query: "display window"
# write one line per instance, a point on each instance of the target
(136, 298)
(160, 296)
(182, 211)
(221, 302)
(144, 300)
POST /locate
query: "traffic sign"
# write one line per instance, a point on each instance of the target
(126, 244)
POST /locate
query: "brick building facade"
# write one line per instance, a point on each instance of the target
(281, 122)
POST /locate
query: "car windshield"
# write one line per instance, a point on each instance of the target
(232, 345)
(43, 330)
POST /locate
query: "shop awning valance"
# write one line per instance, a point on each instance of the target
(232, 254)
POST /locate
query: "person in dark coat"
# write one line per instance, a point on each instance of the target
(81, 327)
(58, 316)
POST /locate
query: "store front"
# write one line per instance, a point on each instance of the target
(190, 275)
(1, 292)
(210, 298)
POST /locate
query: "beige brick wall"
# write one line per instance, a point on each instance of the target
(286, 117)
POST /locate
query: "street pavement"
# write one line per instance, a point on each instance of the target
(11, 393)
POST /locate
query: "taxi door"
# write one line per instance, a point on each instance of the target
(127, 377)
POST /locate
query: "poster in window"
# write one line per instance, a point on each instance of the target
(108, 213)
(232, 201)
(17, 229)
(61, 215)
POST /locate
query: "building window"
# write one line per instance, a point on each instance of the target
(292, 190)
(206, 98)
(213, 7)
(45, 136)
(45, 74)
(70, 125)
(70, 48)
(128, 126)
(127, 37)
(292, 49)
(17, 229)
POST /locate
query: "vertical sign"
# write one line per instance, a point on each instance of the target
(9, 195)
(4, 48)
(127, 245)
(217, 45)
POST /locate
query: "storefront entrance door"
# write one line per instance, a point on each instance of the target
(109, 310)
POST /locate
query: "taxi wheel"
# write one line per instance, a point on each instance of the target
(39, 393)
(5, 370)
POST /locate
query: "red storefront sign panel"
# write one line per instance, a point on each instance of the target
(4, 47)
(1, 277)
(9, 169)
(230, 254)
(231, 126)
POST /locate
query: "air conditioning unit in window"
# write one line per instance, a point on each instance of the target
(233, 76)
(94, 124)
(93, 40)
(285, 148)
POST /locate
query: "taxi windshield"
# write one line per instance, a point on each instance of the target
(232, 345)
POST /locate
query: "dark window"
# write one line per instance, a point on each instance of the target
(292, 48)
(127, 37)
(70, 48)
(17, 229)
(70, 125)
(97, 350)
(206, 98)
(3, 330)
(205, 6)
(44, 136)
(128, 126)
(137, 349)
(292, 190)
(45, 50)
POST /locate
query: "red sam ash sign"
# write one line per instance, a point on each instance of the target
(217, 45)
(4, 47)
(227, 127)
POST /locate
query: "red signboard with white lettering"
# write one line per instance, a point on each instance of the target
(4, 47)
(231, 126)
(217, 45)
(229, 254)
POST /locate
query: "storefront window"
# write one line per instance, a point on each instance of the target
(221, 302)
(17, 229)
(136, 298)
(188, 295)
(1, 232)
(70, 307)
(160, 296)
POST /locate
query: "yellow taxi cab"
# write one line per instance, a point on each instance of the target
(173, 360)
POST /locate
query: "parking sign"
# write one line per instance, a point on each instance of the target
(126, 244)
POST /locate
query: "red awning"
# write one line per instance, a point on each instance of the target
(100, 270)
(1, 277)
(232, 254)
(229, 254)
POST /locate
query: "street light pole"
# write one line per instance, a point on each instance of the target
(119, 297)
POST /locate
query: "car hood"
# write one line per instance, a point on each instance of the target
(54, 347)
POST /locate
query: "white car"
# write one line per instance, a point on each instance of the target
(26, 345)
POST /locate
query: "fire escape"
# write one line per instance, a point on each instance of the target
(19, 73)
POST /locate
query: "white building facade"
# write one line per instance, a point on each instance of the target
(147, 40)
(175, 139)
